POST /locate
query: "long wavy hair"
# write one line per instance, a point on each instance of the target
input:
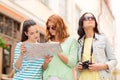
(60, 27)
(81, 31)
(26, 25)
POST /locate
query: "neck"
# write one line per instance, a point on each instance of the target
(89, 33)
(31, 41)
(56, 39)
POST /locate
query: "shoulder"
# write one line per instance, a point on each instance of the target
(70, 38)
(101, 36)
(18, 44)
(17, 48)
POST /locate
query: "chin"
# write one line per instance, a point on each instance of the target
(53, 34)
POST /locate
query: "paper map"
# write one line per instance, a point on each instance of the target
(39, 50)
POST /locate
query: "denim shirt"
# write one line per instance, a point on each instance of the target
(102, 52)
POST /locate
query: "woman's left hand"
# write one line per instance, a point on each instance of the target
(97, 66)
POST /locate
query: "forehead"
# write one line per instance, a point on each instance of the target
(32, 28)
(88, 14)
(50, 23)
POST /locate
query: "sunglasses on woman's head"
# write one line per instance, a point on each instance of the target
(51, 27)
(88, 18)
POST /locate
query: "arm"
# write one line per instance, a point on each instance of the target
(19, 61)
(46, 62)
(98, 66)
(63, 58)
(18, 56)
(71, 59)
(110, 56)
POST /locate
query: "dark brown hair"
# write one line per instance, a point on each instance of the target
(26, 25)
(81, 31)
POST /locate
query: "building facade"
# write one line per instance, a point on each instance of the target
(14, 12)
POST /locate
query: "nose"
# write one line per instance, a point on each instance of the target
(90, 18)
(36, 34)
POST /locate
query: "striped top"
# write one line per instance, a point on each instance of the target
(30, 69)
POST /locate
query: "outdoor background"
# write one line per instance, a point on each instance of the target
(14, 12)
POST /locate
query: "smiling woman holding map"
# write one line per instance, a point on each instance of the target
(59, 67)
(27, 69)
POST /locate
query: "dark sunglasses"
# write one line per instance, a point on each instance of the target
(52, 27)
(88, 18)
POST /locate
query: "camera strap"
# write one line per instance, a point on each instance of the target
(91, 52)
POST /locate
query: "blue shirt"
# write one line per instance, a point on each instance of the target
(30, 69)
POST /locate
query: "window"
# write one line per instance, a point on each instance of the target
(9, 26)
(6, 60)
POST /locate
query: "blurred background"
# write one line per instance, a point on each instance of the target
(14, 12)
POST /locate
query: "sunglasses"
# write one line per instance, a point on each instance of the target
(88, 18)
(52, 27)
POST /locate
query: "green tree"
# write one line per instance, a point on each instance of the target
(2, 43)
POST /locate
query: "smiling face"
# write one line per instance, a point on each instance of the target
(33, 33)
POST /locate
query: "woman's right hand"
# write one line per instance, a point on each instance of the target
(79, 66)
(22, 49)
(47, 60)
